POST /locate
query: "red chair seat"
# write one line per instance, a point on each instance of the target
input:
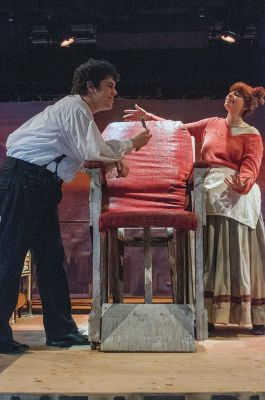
(179, 219)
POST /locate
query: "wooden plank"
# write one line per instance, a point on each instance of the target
(95, 201)
(172, 265)
(199, 207)
(137, 241)
(116, 267)
(148, 327)
(179, 239)
(192, 267)
(155, 242)
(27, 276)
(183, 266)
(104, 266)
(148, 271)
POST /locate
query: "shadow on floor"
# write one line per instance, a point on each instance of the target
(233, 332)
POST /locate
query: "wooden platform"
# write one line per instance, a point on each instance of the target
(233, 363)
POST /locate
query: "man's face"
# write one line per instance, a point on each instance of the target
(104, 95)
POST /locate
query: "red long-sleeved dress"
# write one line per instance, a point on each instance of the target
(234, 275)
(241, 152)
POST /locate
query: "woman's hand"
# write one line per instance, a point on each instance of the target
(122, 168)
(135, 115)
(141, 139)
(236, 182)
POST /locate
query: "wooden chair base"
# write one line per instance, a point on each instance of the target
(147, 327)
(187, 275)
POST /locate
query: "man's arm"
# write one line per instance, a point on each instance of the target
(88, 144)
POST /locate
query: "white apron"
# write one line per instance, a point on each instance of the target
(222, 200)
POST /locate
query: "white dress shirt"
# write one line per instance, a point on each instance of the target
(66, 127)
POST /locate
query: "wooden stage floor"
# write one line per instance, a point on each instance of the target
(232, 363)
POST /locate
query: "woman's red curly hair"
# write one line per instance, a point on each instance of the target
(253, 97)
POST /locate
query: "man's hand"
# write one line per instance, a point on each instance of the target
(122, 168)
(141, 139)
(135, 115)
(236, 182)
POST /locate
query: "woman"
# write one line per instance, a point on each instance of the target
(234, 276)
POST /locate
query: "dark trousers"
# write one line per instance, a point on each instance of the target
(29, 196)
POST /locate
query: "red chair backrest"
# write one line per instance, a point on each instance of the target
(158, 171)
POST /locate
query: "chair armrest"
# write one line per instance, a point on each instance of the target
(202, 164)
(199, 167)
(95, 194)
(195, 189)
(93, 164)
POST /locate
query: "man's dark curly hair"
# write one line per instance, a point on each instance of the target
(92, 71)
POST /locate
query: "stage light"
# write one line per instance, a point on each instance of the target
(229, 37)
(67, 42)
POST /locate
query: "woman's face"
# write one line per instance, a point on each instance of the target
(234, 102)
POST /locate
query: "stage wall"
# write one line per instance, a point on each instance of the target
(74, 214)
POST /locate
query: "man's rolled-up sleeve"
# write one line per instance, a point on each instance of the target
(88, 144)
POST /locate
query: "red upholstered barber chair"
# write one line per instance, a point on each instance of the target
(153, 196)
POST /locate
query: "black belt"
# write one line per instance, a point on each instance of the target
(32, 169)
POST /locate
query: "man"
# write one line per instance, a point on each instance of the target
(45, 151)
